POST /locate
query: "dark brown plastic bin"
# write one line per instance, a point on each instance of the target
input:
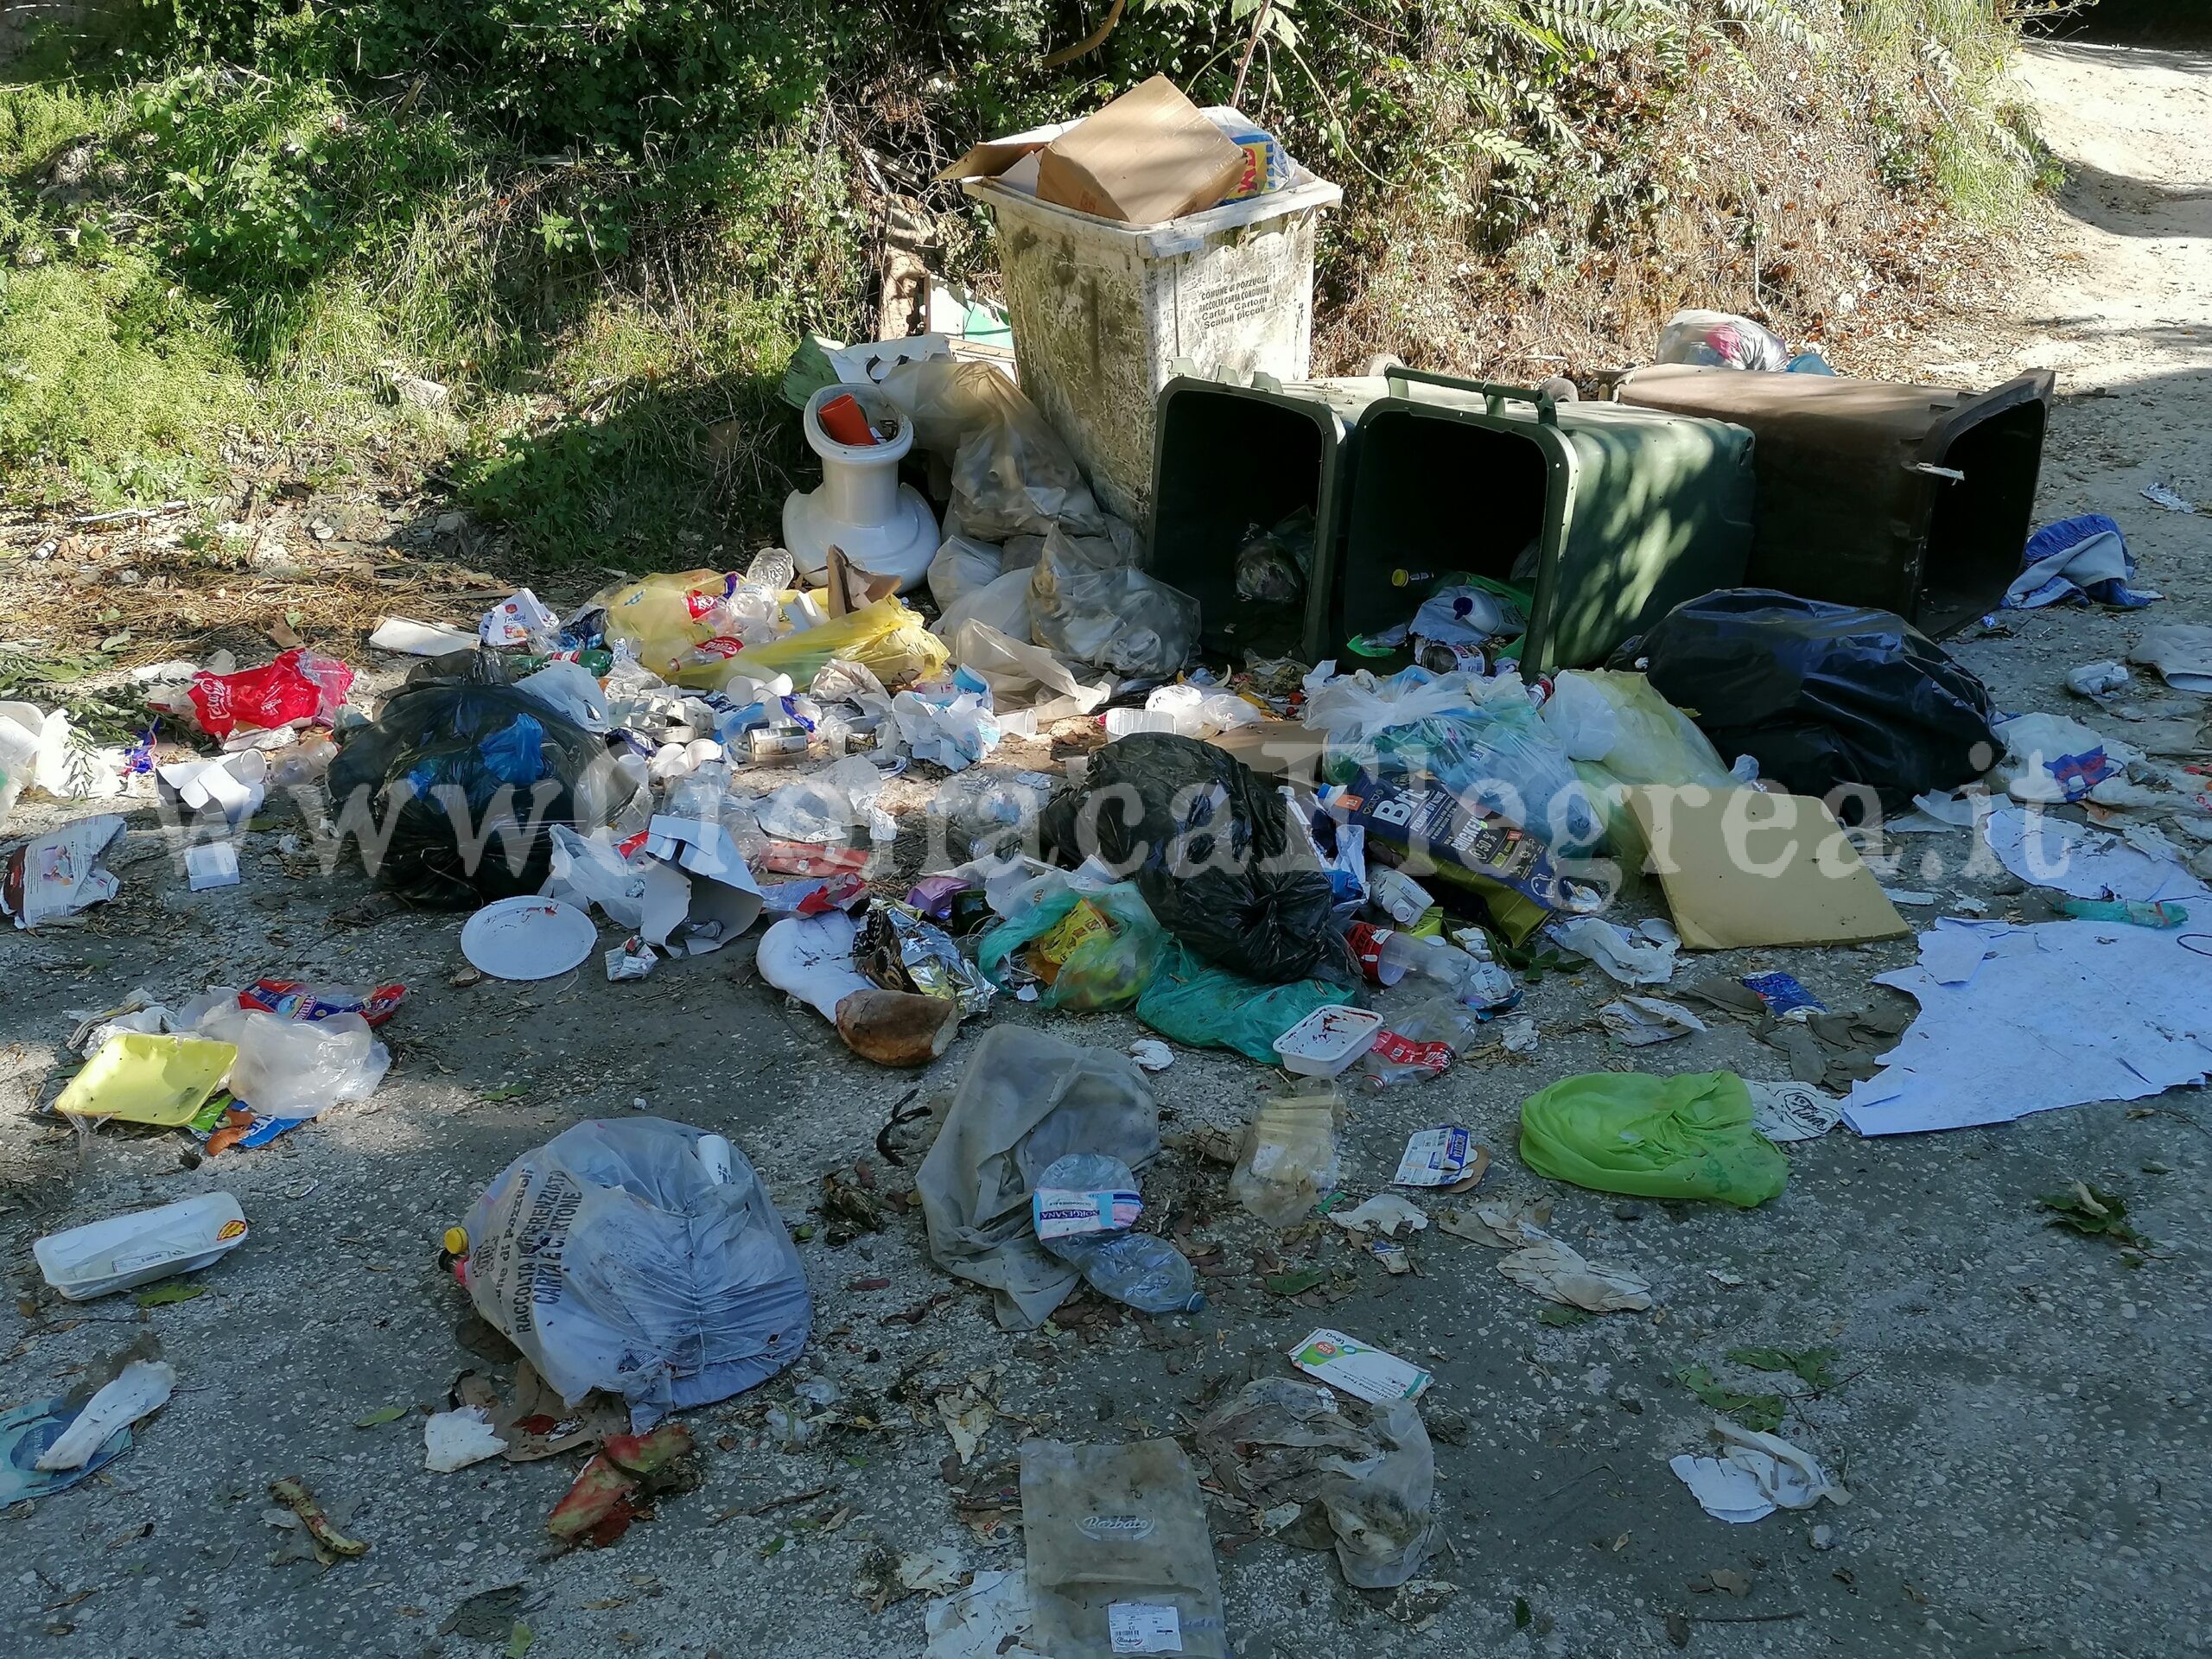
(1914, 499)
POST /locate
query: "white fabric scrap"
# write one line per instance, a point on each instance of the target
(2021, 1020)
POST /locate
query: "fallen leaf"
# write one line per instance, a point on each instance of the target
(1760, 1412)
(2093, 1212)
(1297, 1284)
(173, 1290)
(381, 1415)
(1815, 1367)
(1561, 1316)
(518, 1640)
(1734, 1583)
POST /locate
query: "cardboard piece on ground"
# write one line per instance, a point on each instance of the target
(1148, 157)
(1743, 868)
(1281, 750)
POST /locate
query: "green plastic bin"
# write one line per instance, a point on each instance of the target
(1614, 514)
(1229, 461)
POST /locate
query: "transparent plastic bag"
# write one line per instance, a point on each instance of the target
(1088, 600)
(1025, 1101)
(1120, 1560)
(1088, 950)
(1278, 1441)
(642, 1257)
(589, 870)
(1616, 720)
(295, 1068)
(888, 639)
(1289, 1158)
(1482, 740)
(1011, 473)
(1721, 339)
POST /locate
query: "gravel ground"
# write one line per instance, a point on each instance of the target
(2020, 1415)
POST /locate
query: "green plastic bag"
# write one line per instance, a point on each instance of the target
(1107, 938)
(1210, 1007)
(1681, 1137)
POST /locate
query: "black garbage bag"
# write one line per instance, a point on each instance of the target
(1822, 695)
(1212, 848)
(448, 795)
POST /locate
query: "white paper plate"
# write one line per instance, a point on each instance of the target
(528, 937)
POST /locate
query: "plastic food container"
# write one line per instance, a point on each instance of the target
(146, 1245)
(1326, 1041)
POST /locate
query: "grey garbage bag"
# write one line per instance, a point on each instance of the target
(1088, 600)
(1025, 1100)
(1011, 473)
(1279, 1441)
(642, 1257)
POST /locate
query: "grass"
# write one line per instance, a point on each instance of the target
(211, 268)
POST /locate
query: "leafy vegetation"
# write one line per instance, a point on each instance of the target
(230, 235)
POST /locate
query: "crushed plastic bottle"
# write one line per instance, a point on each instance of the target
(1142, 1269)
(1476, 983)
(1420, 1043)
(1289, 1158)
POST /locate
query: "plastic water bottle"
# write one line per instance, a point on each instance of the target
(1141, 1269)
(1478, 985)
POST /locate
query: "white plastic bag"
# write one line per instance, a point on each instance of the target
(1721, 339)
(642, 1257)
(294, 1068)
(962, 567)
(569, 689)
(588, 870)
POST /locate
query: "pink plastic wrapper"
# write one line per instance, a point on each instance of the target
(301, 684)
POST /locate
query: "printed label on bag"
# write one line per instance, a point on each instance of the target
(1143, 1627)
(1060, 1213)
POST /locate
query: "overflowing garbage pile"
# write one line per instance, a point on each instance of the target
(1347, 869)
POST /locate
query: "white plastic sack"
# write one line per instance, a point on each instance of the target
(293, 1068)
(642, 1257)
(569, 689)
(588, 870)
(1721, 339)
(1351, 707)
(962, 567)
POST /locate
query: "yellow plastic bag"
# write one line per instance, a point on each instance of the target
(886, 638)
(662, 616)
(141, 1077)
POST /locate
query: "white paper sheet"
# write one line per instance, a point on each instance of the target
(2020, 1019)
(2083, 862)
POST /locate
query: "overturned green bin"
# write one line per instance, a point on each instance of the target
(1229, 464)
(1911, 499)
(1611, 516)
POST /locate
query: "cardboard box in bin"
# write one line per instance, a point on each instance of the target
(1148, 157)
